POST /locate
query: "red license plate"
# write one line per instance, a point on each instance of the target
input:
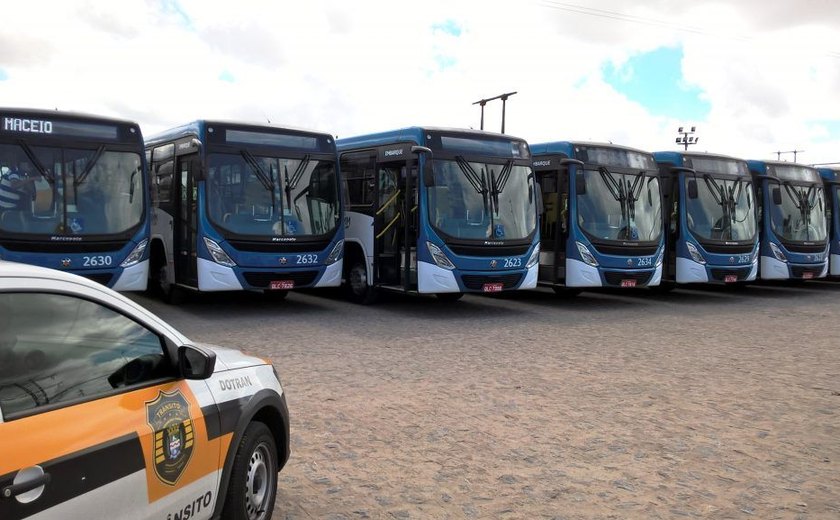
(282, 285)
(628, 283)
(807, 275)
(491, 287)
(730, 278)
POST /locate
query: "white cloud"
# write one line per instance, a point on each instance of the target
(769, 72)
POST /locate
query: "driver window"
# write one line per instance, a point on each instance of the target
(56, 348)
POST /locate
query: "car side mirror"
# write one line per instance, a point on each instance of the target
(777, 196)
(195, 362)
(692, 189)
(580, 184)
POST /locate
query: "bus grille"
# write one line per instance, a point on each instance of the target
(620, 250)
(614, 278)
(719, 275)
(279, 247)
(263, 280)
(482, 250)
(475, 282)
(103, 278)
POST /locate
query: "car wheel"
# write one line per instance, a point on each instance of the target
(360, 291)
(253, 480)
(449, 296)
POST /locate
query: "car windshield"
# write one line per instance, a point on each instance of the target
(482, 200)
(68, 191)
(721, 209)
(619, 206)
(801, 215)
(269, 195)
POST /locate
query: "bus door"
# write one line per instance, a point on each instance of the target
(389, 222)
(670, 185)
(554, 224)
(184, 229)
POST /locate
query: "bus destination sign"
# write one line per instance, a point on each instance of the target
(59, 127)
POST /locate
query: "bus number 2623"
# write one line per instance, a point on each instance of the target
(97, 261)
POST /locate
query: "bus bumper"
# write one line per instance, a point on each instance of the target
(332, 275)
(215, 277)
(835, 265)
(134, 278)
(434, 279)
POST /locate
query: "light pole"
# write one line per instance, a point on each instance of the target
(504, 97)
(686, 138)
(794, 152)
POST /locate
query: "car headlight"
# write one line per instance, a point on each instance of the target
(660, 258)
(777, 252)
(534, 259)
(586, 255)
(136, 254)
(439, 257)
(335, 254)
(218, 254)
(695, 253)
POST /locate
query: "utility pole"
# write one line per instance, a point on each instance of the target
(686, 138)
(504, 97)
(794, 152)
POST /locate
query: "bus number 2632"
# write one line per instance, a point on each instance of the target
(97, 261)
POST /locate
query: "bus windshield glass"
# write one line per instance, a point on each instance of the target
(801, 215)
(46, 190)
(620, 206)
(272, 196)
(482, 201)
(723, 208)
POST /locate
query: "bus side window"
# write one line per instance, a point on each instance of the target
(357, 169)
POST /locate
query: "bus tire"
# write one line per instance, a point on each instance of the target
(276, 295)
(449, 296)
(252, 489)
(358, 288)
(663, 287)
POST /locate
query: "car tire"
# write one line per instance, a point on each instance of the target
(253, 480)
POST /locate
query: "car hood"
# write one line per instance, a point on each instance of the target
(232, 359)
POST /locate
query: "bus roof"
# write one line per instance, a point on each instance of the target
(567, 147)
(830, 174)
(196, 128)
(416, 134)
(791, 171)
(674, 154)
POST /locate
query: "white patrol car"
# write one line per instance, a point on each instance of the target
(108, 412)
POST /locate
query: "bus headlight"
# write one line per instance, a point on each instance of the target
(136, 254)
(218, 254)
(335, 254)
(695, 254)
(755, 253)
(534, 259)
(586, 255)
(777, 252)
(660, 258)
(439, 257)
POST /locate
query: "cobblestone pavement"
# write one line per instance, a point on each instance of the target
(696, 404)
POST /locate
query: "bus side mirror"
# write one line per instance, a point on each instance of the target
(777, 196)
(692, 189)
(580, 184)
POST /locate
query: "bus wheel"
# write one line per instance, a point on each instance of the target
(566, 292)
(168, 291)
(253, 479)
(663, 287)
(449, 296)
(360, 291)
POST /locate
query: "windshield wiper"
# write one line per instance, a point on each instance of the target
(479, 184)
(78, 179)
(626, 196)
(264, 179)
(34, 160)
(726, 200)
(296, 176)
(803, 200)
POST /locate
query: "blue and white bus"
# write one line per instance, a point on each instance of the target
(831, 182)
(793, 228)
(602, 219)
(467, 223)
(710, 219)
(244, 206)
(73, 195)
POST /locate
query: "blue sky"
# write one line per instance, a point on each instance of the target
(654, 80)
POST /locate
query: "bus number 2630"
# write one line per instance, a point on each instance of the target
(97, 261)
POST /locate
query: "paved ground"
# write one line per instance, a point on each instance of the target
(698, 404)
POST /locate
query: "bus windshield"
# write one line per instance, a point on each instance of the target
(801, 215)
(271, 195)
(722, 208)
(48, 190)
(620, 206)
(483, 201)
